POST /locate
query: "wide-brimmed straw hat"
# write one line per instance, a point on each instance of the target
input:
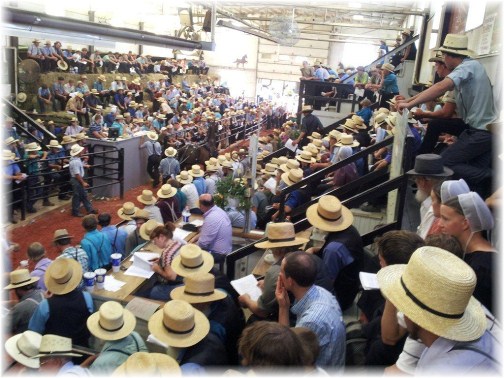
(456, 44)
(293, 176)
(111, 322)
(8, 155)
(62, 276)
(359, 122)
(307, 108)
(379, 120)
(152, 135)
(76, 150)
(306, 157)
(335, 134)
(147, 228)
(23, 347)
(179, 324)
(67, 139)
(56, 346)
(349, 125)
(198, 288)
(32, 147)
(53, 143)
(434, 290)
(10, 140)
(388, 67)
(62, 65)
(149, 365)
(141, 214)
(166, 191)
(196, 171)
(61, 234)
(430, 165)
(291, 164)
(328, 214)
(170, 152)
(21, 97)
(282, 160)
(269, 169)
(184, 177)
(347, 140)
(437, 58)
(280, 234)
(127, 211)
(80, 136)
(192, 259)
(315, 135)
(20, 278)
(147, 197)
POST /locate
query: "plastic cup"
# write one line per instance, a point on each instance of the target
(89, 281)
(116, 261)
(100, 278)
(23, 263)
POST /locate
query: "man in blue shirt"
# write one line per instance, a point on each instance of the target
(96, 244)
(76, 167)
(116, 236)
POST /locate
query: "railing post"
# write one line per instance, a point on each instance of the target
(121, 172)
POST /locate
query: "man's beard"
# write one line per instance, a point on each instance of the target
(421, 195)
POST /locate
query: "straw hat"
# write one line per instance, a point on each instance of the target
(127, 211)
(392, 101)
(147, 198)
(23, 347)
(293, 176)
(166, 191)
(8, 155)
(435, 290)
(456, 44)
(437, 58)
(335, 134)
(382, 110)
(359, 122)
(380, 119)
(319, 144)
(196, 171)
(54, 144)
(350, 125)
(212, 166)
(430, 165)
(62, 65)
(198, 288)
(147, 228)
(388, 67)
(111, 322)
(221, 159)
(192, 259)
(21, 97)
(141, 214)
(102, 78)
(315, 135)
(67, 139)
(32, 147)
(227, 155)
(179, 325)
(184, 177)
(347, 140)
(170, 152)
(311, 148)
(61, 234)
(10, 140)
(226, 164)
(80, 136)
(280, 235)
(120, 116)
(62, 276)
(152, 135)
(149, 365)
(56, 346)
(269, 169)
(307, 108)
(282, 160)
(79, 94)
(306, 157)
(20, 278)
(76, 150)
(328, 214)
(291, 164)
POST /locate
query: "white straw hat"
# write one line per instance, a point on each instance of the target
(198, 288)
(328, 214)
(111, 322)
(23, 347)
(280, 234)
(192, 259)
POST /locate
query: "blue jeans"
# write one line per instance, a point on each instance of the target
(79, 195)
(161, 292)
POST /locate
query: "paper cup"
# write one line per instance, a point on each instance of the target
(23, 263)
(89, 281)
(100, 278)
(116, 261)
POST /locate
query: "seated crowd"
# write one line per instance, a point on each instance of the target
(434, 311)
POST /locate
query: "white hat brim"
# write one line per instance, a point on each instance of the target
(208, 263)
(341, 224)
(97, 331)
(13, 351)
(169, 195)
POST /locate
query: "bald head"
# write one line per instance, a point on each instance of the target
(206, 202)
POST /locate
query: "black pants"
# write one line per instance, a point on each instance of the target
(153, 168)
(386, 97)
(436, 127)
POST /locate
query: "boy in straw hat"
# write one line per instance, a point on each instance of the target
(315, 308)
(309, 124)
(63, 243)
(470, 156)
(148, 199)
(342, 251)
(115, 325)
(190, 191)
(29, 296)
(134, 238)
(76, 168)
(66, 311)
(154, 155)
(116, 236)
(451, 324)
(96, 244)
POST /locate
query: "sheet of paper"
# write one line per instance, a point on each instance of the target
(142, 308)
(144, 255)
(271, 184)
(197, 222)
(111, 284)
(359, 92)
(247, 285)
(141, 265)
(180, 234)
(368, 281)
(290, 146)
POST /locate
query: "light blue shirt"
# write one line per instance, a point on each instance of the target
(237, 218)
(473, 94)
(152, 147)
(319, 311)
(117, 238)
(76, 167)
(97, 248)
(169, 167)
(216, 233)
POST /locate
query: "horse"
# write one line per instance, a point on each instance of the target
(241, 61)
(192, 154)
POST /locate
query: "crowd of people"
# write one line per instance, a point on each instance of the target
(435, 310)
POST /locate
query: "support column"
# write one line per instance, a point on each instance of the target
(141, 27)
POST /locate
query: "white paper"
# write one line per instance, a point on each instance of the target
(368, 281)
(247, 285)
(359, 92)
(142, 267)
(180, 234)
(142, 308)
(197, 222)
(271, 184)
(111, 284)
(290, 146)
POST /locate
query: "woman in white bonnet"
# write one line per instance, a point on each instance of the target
(465, 217)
